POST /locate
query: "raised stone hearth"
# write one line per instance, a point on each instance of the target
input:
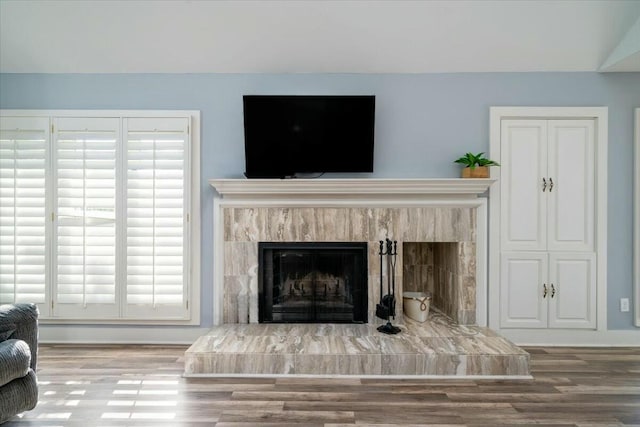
(437, 347)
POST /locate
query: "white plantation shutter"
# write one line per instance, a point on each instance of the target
(24, 143)
(85, 163)
(94, 214)
(156, 225)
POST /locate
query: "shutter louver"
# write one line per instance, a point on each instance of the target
(156, 165)
(23, 228)
(85, 164)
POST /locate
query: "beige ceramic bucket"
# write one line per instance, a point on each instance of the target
(416, 305)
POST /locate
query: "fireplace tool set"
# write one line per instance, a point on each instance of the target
(386, 309)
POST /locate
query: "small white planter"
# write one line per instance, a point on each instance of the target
(416, 305)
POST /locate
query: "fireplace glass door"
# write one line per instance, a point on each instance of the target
(313, 282)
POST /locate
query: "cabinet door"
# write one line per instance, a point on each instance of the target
(572, 301)
(523, 277)
(523, 202)
(571, 198)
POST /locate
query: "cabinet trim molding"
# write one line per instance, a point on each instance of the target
(600, 117)
(636, 221)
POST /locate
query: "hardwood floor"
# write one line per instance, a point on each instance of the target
(91, 386)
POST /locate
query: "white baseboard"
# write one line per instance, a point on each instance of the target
(75, 334)
(573, 338)
(80, 334)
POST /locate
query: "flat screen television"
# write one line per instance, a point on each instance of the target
(289, 135)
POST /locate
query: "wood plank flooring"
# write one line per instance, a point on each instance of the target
(87, 386)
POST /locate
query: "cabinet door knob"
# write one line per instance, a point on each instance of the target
(553, 291)
(544, 293)
(550, 185)
(544, 185)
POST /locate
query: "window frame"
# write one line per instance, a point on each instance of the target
(192, 201)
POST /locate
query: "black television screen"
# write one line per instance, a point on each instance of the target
(288, 135)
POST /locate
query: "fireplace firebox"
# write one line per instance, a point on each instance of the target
(314, 282)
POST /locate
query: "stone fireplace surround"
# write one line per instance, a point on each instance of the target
(432, 219)
(441, 228)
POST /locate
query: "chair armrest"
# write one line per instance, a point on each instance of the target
(20, 321)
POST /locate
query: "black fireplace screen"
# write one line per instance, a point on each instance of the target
(313, 282)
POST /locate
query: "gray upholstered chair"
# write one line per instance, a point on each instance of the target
(18, 359)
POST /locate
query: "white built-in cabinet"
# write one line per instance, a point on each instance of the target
(547, 250)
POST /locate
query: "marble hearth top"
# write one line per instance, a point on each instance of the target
(340, 187)
(436, 347)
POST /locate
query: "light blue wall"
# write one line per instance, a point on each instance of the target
(423, 121)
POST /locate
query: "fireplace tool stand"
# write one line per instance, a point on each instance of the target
(386, 309)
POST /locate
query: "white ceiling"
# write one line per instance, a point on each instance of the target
(314, 36)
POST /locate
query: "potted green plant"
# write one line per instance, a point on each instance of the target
(475, 165)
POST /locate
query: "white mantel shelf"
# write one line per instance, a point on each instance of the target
(458, 187)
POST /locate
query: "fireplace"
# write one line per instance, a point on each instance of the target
(314, 282)
(411, 211)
